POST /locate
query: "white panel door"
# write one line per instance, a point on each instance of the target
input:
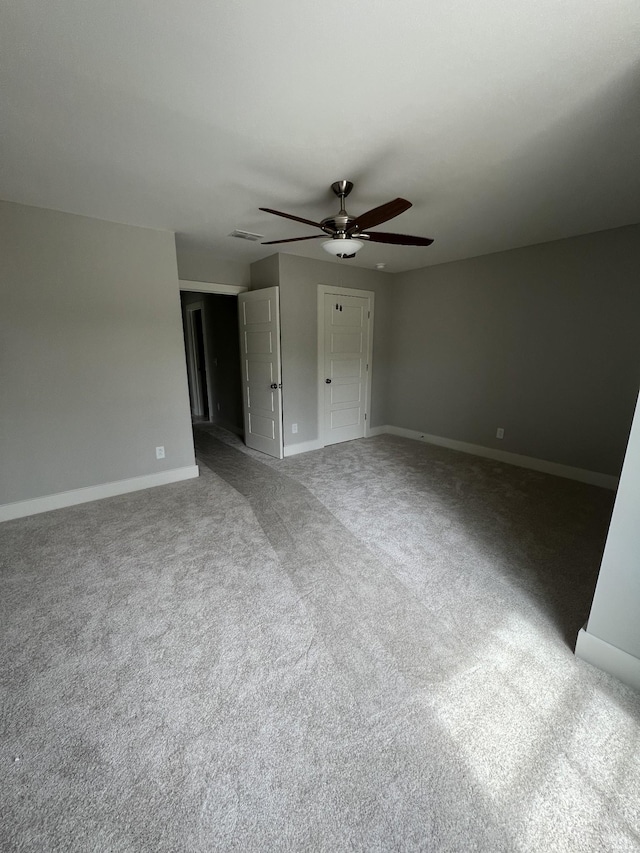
(346, 344)
(259, 315)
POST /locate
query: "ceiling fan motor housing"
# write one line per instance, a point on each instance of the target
(338, 225)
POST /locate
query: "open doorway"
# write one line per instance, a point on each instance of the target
(212, 351)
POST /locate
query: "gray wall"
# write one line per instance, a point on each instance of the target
(299, 279)
(543, 341)
(615, 613)
(265, 273)
(197, 263)
(92, 370)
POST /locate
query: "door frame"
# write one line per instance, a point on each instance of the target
(323, 290)
(195, 382)
(203, 287)
(211, 287)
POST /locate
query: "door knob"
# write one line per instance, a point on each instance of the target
(274, 385)
(328, 381)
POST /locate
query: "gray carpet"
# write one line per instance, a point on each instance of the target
(368, 648)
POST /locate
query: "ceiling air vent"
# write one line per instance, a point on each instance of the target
(247, 235)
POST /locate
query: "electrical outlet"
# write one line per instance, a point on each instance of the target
(159, 452)
(294, 428)
(499, 433)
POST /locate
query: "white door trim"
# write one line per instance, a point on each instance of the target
(323, 289)
(211, 287)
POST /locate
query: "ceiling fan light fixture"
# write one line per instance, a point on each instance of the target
(342, 247)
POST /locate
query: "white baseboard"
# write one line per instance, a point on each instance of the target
(94, 493)
(610, 659)
(594, 478)
(379, 430)
(303, 447)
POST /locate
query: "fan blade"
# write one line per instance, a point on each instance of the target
(381, 214)
(397, 239)
(293, 239)
(291, 216)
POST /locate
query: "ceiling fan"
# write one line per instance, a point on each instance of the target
(348, 233)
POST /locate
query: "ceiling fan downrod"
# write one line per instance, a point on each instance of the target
(342, 190)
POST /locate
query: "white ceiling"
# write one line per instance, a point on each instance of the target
(505, 123)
